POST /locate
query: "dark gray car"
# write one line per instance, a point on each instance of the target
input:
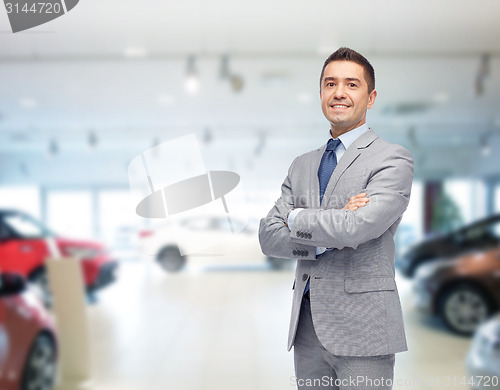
(481, 235)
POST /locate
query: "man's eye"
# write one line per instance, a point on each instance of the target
(352, 85)
(330, 84)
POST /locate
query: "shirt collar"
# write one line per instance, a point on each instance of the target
(349, 137)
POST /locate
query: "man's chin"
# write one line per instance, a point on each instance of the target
(342, 125)
(336, 130)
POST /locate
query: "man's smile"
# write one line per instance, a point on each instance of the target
(340, 106)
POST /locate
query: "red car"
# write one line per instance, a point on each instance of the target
(23, 249)
(28, 343)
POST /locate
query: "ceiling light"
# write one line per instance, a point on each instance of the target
(412, 137)
(192, 85)
(484, 145)
(92, 140)
(482, 75)
(261, 142)
(192, 81)
(224, 72)
(207, 136)
(485, 150)
(53, 148)
(236, 83)
(235, 80)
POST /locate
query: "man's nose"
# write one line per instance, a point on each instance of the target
(339, 92)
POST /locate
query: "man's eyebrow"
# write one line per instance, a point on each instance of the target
(347, 79)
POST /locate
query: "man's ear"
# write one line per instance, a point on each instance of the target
(371, 98)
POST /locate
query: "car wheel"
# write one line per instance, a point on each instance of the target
(170, 259)
(40, 283)
(40, 367)
(278, 264)
(463, 307)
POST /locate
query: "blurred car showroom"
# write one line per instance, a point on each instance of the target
(102, 287)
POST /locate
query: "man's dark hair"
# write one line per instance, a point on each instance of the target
(346, 54)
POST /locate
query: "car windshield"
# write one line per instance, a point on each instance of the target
(483, 229)
(26, 226)
(494, 229)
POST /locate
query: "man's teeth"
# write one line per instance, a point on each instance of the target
(339, 106)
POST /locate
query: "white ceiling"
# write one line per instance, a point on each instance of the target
(71, 76)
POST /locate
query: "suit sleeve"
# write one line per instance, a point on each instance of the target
(388, 189)
(274, 235)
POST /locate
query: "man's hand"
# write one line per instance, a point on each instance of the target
(356, 202)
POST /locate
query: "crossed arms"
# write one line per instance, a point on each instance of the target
(388, 190)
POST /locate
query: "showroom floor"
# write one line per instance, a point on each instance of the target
(226, 328)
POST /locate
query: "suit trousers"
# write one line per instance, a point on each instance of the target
(318, 369)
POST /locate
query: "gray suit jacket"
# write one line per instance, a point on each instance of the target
(354, 299)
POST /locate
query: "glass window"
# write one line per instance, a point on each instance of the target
(25, 198)
(118, 223)
(25, 226)
(70, 213)
(469, 196)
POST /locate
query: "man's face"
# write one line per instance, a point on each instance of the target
(344, 96)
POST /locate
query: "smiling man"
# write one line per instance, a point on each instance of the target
(338, 213)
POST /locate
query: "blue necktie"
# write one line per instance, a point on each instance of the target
(328, 164)
(326, 168)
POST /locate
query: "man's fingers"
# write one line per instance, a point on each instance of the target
(361, 195)
(356, 201)
(359, 202)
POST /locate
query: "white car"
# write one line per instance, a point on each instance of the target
(222, 243)
(483, 358)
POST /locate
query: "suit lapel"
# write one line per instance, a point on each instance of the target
(313, 177)
(349, 156)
